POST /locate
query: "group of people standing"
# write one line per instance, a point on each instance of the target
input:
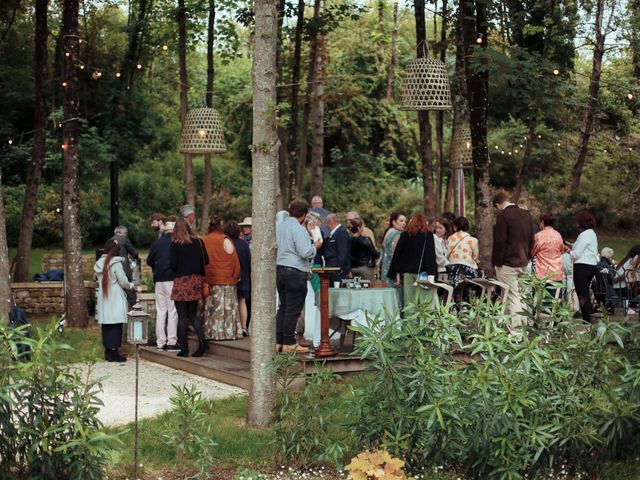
(203, 281)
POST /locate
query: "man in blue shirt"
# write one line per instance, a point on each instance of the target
(295, 251)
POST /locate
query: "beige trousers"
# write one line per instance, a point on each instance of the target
(509, 276)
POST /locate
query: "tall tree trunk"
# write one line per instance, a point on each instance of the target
(34, 176)
(295, 189)
(306, 112)
(136, 35)
(265, 181)
(317, 144)
(459, 105)
(526, 155)
(380, 6)
(206, 180)
(284, 165)
(592, 97)
(440, 113)
(74, 296)
(477, 80)
(426, 149)
(5, 275)
(190, 188)
(393, 61)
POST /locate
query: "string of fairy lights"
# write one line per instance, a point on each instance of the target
(98, 72)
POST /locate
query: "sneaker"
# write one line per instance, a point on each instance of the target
(294, 348)
(172, 348)
(161, 347)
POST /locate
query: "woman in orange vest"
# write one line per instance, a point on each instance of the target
(221, 315)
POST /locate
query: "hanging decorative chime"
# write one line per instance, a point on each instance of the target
(461, 151)
(202, 132)
(426, 85)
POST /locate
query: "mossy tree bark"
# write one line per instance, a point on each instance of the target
(76, 308)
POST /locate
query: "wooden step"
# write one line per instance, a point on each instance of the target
(226, 370)
(237, 349)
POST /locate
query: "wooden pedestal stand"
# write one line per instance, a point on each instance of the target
(324, 350)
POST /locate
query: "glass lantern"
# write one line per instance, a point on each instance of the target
(138, 325)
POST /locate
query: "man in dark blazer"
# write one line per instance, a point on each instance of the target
(336, 248)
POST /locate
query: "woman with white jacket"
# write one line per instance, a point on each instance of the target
(111, 311)
(584, 253)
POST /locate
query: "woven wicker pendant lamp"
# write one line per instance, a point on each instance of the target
(461, 150)
(202, 132)
(425, 85)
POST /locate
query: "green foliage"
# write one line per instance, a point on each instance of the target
(48, 412)
(306, 427)
(460, 391)
(189, 434)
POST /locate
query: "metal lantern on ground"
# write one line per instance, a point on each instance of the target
(202, 132)
(138, 325)
(137, 328)
(426, 85)
(461, 151)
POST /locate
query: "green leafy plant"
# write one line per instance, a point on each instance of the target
(463, 392)
(49, 427)
(189, 434)
(306, 427)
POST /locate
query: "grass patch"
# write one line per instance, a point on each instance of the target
(86, 343)
(238, 444)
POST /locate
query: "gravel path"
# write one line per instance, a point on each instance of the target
(155, 389)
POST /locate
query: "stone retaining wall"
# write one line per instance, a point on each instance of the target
(45, 297)
(52, 261)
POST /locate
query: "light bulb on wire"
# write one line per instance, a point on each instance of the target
(630, 96)
(11, 141)
(479, 39)
(556, 71)
(139, 66)
(165, 47)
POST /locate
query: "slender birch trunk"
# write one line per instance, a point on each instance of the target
(265, 181)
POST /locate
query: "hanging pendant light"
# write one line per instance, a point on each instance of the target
(202, 132)
(461, 148)
(426, 85)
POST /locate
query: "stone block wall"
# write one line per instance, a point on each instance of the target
(52, 261)
(44, 297)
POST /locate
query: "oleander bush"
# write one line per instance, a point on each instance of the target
(460, 391)
(49, 427)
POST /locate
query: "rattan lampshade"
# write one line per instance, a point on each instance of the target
(461, 150)
(426, 86)
(202, 132)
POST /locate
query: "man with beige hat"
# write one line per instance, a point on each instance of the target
(245, 227)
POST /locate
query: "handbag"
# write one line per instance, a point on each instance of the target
(206, 289)
(422, 275)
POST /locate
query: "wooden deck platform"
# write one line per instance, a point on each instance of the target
(229, 361)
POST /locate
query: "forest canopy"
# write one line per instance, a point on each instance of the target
(539, 61)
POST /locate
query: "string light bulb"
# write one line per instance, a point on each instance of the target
(496, 147)
(63, 146)
(58, 210)
(66, 54)
(11, 141)
(556, 71)
(98, 74)
(515, 151)
(502, 152)
(118, 74)
(521, 146)
(64, 84)
(165, 47)
(539, 136)
(630, 96)
(81, 67)
(139, 66)
(479, 39)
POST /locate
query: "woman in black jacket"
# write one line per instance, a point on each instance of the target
(415, 253)
(363, 253)
(188, 258)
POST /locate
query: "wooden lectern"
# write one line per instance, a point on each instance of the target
(324, 350)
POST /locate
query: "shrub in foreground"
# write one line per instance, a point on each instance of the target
(460, 391)
(48, 412)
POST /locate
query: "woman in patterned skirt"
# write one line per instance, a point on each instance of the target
(221, 314)
(188, 260)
